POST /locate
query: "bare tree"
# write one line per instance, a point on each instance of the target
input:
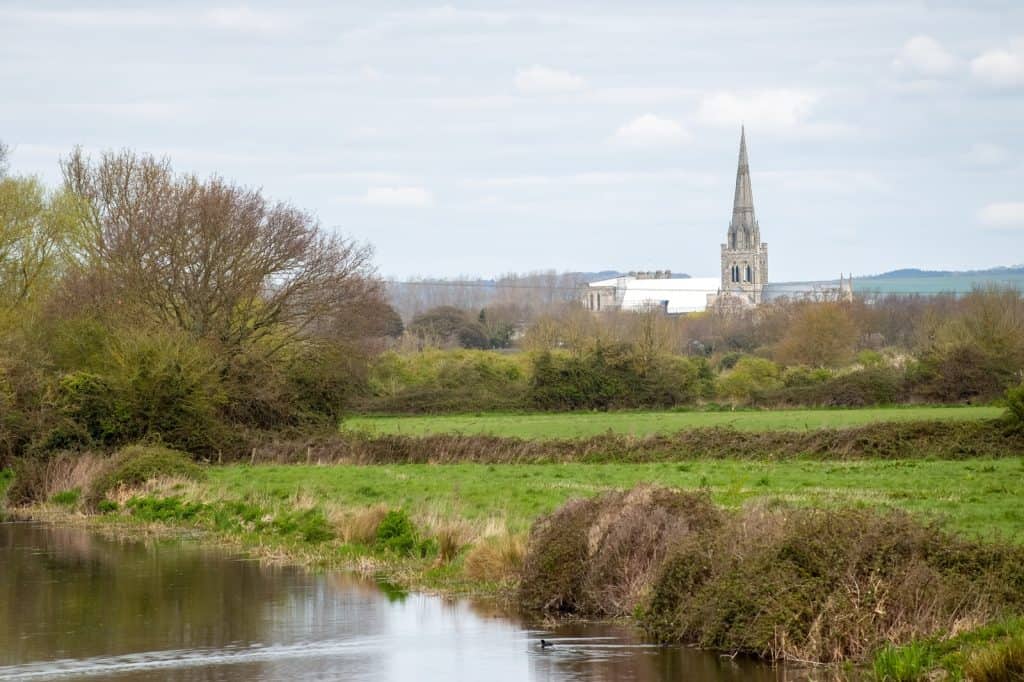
(216, 260)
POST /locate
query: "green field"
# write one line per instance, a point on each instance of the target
(583, 424)
(977, 497)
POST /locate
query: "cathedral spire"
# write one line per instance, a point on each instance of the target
(743, 201)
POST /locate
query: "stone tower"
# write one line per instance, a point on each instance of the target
(744, 255)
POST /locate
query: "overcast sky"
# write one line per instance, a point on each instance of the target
(481, 138)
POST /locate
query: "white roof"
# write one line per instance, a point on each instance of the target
(683, 295)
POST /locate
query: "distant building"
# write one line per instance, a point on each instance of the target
(641, 291)
(744, 255)
(744, 272)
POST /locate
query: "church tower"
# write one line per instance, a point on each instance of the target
(744, 255)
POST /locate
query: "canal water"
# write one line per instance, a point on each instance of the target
(78, 605)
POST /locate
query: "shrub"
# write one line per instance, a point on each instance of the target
(92, 403)
(321, 381)
(819, 335)
(67, 498)
(450, 325)
(960, 374)
(614, 377)
(860, 388)
(749, 377)
(870, 358)
(670, 381)
(310, 524)
(451, 380)
(37, 479)
(597, 557)
(137, 464)
(396, 533)
(107, 506)
(150, 385)
(827, 585)
(6, 476)
(799, 375)
(1015, 406)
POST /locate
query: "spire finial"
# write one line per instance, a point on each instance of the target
(743, 200)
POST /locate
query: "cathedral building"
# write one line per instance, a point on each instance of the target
(744, 255)
(744, 272)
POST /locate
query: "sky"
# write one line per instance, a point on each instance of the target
(481, 138)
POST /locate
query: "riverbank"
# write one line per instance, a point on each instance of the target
(463, 528)
(245, 508)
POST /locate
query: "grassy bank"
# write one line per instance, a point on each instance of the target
(463, 527)
(585, 424)
(977, 497)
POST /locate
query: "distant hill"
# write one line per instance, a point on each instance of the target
(1013, 270)
(917, 281)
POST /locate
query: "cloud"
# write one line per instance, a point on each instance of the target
(245, 19)
(92, 18)
(825, 180)
(987, 155)
(398, 196)
(597, 179)
(241, 18)
(540, 80)
(1007, 215)
(650, 131)
(768, 108)
(924, 55)
(1000, 68)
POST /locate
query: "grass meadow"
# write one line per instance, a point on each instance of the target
(584, 424)
(980, 498)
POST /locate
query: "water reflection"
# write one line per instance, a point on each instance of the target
(77, 605)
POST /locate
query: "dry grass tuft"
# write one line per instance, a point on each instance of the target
(452, 536)
(40, 479)
(496, 558)
(1003, 662)
(360, 527)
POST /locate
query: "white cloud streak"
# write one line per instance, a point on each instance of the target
(651, 131)
(398, 196)
(1006, 215)
(541, 80)
(925, 56)
(1000, 68)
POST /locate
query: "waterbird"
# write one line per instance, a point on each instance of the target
(544, 644)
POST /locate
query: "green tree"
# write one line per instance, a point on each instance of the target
(820, 335)
(750, 376)
(35, 240)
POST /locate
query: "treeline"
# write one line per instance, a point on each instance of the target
(137, 303)
(941, 349)
(141, 304)
(531, 293)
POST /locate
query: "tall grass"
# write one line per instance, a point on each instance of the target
(902, 664)
(1001, 662)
